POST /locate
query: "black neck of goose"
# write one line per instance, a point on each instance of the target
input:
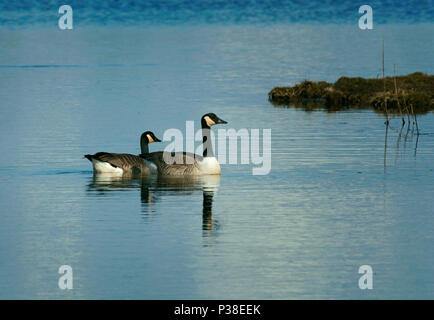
(206, 140)
(144, 144)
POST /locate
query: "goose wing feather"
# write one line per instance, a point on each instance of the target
(189, 165)
(129, 163)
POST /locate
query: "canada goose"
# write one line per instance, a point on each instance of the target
(124, 163)
(190, 164)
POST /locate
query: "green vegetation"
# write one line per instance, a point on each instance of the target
(413, 93)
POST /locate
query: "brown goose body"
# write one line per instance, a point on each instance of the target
(189, 166)
(120, 163)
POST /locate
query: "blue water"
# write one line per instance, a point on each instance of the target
(340, 193)
(170, 12)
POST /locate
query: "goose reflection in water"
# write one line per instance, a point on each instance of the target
(154, 188)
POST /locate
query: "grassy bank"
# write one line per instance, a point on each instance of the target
(401, 94)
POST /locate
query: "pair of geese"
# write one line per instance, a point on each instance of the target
(154, 163)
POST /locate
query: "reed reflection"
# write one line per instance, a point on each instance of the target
(154, 189)
(404, 136)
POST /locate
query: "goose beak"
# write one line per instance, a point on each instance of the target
(220, 121)
(157, 140)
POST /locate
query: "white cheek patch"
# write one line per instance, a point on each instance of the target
(209, 122)
(150, 138)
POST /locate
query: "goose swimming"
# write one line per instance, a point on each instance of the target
(191, 164)
(124, 163)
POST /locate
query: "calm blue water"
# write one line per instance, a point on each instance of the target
(335, 198)
(149, 12)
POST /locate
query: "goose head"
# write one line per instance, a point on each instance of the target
(146, 138)
(150, 137)
(211, 119)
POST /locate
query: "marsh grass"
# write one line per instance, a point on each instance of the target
(408, 92)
